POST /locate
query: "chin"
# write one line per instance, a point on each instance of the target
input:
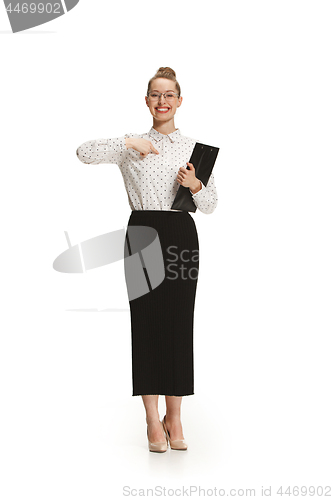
(165, 117)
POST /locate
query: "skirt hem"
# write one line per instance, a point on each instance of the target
(175, 395)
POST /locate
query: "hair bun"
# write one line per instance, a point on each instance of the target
(166, 71)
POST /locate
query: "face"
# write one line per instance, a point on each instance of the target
(161, 109)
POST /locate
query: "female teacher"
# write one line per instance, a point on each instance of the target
(153, 165)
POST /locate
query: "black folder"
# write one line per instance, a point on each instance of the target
(203, 159)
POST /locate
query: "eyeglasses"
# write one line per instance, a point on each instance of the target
(169, 96)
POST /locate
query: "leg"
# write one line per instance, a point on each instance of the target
(155, 429)
(172, 417)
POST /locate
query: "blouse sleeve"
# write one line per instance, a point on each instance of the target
(206, 199)
(102, 150)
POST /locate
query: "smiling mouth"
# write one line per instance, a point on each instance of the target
(162, 109)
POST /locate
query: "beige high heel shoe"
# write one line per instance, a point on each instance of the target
(158, 447)
(176, 444)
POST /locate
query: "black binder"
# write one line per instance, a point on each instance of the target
(203, 159)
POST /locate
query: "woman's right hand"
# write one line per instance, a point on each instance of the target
(142, 145)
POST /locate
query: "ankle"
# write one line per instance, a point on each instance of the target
(172, 417)
(152, 419)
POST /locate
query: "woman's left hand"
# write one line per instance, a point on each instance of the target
(188, 179)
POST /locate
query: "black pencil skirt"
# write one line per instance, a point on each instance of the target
(162, 318)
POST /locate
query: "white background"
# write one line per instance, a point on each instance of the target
(256, 78)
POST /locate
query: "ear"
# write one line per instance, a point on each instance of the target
(180, 100)
(146, 99)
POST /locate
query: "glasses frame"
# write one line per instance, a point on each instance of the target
(160, 95)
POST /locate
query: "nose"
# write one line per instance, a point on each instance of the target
(162, 98)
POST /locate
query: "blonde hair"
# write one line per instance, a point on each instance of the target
(168, 73)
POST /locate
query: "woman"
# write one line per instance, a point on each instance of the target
(153, 165)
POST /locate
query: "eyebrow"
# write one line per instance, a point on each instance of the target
(154, 90)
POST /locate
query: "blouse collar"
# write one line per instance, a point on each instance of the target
(174, 136)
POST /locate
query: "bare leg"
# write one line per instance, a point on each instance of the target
(172, 417)
(155, 430)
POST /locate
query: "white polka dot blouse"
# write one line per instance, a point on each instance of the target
(151, 182)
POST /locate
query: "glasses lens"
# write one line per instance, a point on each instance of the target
(170, 96)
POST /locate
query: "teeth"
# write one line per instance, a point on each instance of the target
(162, 109)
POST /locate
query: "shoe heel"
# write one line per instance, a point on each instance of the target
(166, 432)
(176, 444)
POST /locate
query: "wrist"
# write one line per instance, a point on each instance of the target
(196, 187)
(128, 143)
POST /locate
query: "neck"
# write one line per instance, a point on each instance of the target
(164, 127)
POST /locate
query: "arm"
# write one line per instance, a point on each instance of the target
(110, 150)
(101, 150)
(206, 198)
